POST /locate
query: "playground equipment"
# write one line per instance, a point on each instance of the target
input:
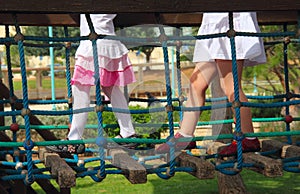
(274, 158)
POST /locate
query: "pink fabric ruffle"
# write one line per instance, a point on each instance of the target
(121, 76)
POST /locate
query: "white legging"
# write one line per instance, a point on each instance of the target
(81, 99)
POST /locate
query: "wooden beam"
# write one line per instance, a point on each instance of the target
(146, 6)
(132, 19)
(273, 146)
(133, 171)
(66, 176)
(264, 165)
(203, 168)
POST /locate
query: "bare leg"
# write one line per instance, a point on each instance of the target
(118, 100)
(226, 77)
(202, 76)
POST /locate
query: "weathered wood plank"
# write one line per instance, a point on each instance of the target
(231, 184)
(133, 171)
(264, 165)
(132, 19)
(147, 6)
(65, 174)
(215, 147)
(291, 151)
(272, 145)
(203, 168)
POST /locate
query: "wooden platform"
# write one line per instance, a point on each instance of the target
(168, 12)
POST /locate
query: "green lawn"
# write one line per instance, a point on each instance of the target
(46, 83)
(185, 183)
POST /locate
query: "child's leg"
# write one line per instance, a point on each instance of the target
(226, 76)
(201, 77)
(81, 99)
(118, 100)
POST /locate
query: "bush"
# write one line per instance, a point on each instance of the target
(266, 112)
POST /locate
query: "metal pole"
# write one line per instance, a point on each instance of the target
(50, 30)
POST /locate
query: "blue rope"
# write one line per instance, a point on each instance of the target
(236, 90)
(28, 143)
(286, 81)
(102, 172)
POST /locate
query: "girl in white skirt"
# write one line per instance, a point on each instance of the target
(115, 71)
(213, 57)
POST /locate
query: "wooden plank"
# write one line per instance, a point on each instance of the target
(147, 6)
(203, 168)
(264, 165)
(41, 19)
(133, 171)
(215, 147)
(65, 174)
(268, 145)
(291, 151)
(132, 19)
(233, 184)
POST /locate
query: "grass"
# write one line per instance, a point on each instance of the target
(46, 83)
(184, 183)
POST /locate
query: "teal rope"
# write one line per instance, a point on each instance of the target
(236, 91)
(28, 141)
(286, 81)
(68, 73)
(102, 173)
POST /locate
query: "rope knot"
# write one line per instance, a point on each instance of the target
(93, 36)
(287, 40)
(68, 45)
(236, 104)
(19, 37)
(178, 44)
(25, 111)
(238, 136)
(231, 33)
(101, 141)
(28, 144)
(181, 98)
(169, 108)
(99, 108)
(162, 38)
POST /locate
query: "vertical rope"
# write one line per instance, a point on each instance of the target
(286, 81)
(178, 68)
(28, 144)
(163, 39)
(11, 86)
(236, 90)
(93, 38)
(68, 71)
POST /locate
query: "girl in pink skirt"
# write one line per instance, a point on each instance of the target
(115, 71)
(213, 57)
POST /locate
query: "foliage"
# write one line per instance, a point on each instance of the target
(266, 112)
(143, 31)
(43, 31)
(274, 68)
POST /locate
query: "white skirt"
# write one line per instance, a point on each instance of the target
(250, 49)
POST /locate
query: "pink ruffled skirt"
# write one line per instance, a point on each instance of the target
(112, 72)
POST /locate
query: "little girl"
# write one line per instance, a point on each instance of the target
(213, 57)
(115, 70)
